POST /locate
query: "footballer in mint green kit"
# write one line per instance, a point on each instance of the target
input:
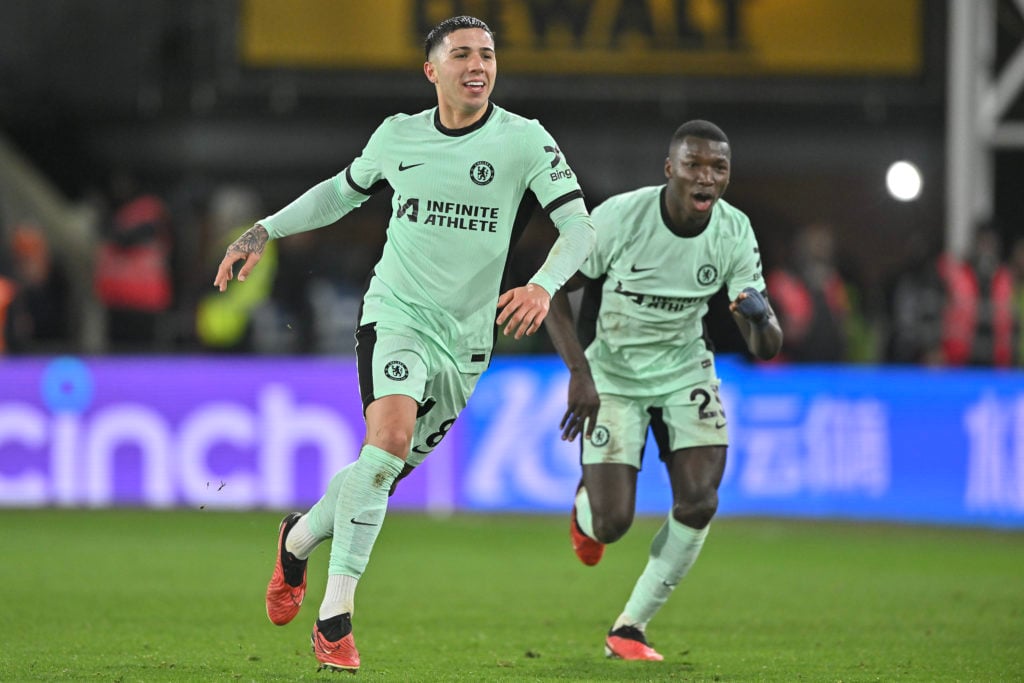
(661, 253)
(466, 176)
(461, 199)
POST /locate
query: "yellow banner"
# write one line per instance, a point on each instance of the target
(569, 37)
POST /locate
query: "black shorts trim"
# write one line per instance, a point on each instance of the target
(366, 340)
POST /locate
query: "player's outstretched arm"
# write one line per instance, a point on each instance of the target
(248, 246)
(584, 401)
(758, 324)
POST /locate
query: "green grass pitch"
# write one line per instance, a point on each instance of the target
(133, 595)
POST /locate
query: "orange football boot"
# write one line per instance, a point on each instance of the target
(339, 654)
(287, 586)
(628, 642)
(587, 549)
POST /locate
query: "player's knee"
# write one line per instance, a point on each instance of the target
(393, 439)
(611, 525)
(696, 512)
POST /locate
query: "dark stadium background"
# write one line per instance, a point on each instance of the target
(871, 512)
(161, 88)
(189, 95)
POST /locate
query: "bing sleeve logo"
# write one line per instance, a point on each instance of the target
(557, 152)
(563, 173)
(481, 173)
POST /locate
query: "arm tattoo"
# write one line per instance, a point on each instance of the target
(252, 241)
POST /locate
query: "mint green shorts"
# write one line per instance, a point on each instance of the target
(690, 417)
(392, 360)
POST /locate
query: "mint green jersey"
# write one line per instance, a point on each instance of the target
(649, 336)
(461, 198)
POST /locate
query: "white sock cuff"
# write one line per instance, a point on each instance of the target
(584, 517)
(300, 540)
(339, 597)
(626, 620)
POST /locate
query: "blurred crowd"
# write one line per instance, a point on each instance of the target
(936, 310)
(143, 282)
(148, 283)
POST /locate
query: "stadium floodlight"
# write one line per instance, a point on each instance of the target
(903, 180)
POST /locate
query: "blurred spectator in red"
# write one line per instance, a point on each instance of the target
(811, 299)
(1017, 269)
(978, 318)
(8, 290)
(38, 316)
(133, 268)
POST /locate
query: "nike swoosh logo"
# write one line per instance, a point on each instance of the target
(403, 167)
(634, 269)
(719, 425)
(666, 584)
(353, 520)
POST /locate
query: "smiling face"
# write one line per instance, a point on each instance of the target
(698, 173)
(463, 68)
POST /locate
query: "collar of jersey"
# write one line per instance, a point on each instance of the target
(456, 132)
(667, 219)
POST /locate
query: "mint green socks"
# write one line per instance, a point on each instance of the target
(353, 509)
(673, 551)
(362, 502)
(317, 525)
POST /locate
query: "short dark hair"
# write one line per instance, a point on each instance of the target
(450, 25)
(698, 128)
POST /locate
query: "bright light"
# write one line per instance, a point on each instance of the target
(903, 179)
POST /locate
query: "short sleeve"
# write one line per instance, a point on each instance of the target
(548, 173)
(746, 262)
(365, 173)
